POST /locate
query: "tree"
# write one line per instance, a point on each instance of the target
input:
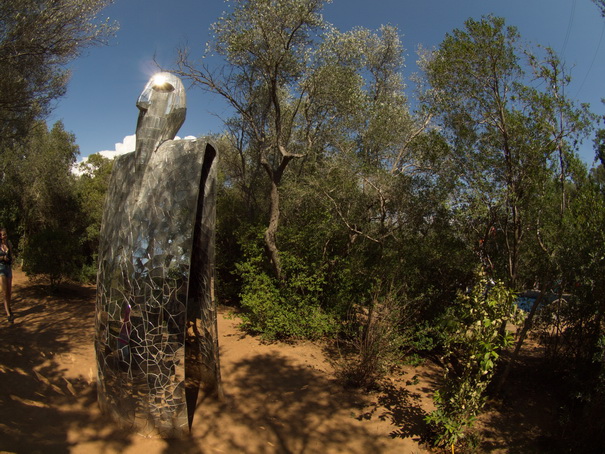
(507, 136)
(90, 189)
(302, 90)
(320, 146)
(46, 181)
(267, 46)
(48, 206)
(37, 39)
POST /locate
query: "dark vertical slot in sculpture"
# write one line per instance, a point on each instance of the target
(202, 368)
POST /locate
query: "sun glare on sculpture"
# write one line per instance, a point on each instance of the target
(160, 80)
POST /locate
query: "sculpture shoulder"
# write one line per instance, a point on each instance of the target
(122, 173)
(196, 146)
(199, 143)
(125, 160)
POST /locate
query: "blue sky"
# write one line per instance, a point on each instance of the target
(100, 109)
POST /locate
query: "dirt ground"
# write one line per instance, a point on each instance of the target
(279, 398)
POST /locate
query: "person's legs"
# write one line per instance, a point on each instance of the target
(9, 296)
(6, 283)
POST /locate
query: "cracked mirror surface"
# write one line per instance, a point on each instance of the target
(155, 270)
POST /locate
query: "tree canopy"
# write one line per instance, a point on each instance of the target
(343, 210)
(37, 39)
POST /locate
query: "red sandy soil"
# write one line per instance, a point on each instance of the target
(279, 398)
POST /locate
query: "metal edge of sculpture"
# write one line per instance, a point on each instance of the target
(155, 319)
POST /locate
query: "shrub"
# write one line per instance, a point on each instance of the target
(474, 335)
(53, 253)
(381, 335)
(88, 273)
(288, 309)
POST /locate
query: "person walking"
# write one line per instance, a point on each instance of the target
(6, 272)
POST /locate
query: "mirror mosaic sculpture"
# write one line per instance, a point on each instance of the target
(155, 317)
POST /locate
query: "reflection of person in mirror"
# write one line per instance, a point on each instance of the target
(124, 336)
(6, 273)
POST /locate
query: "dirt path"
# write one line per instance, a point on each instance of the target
(280, 398)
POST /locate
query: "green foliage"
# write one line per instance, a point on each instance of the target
(353, 189)
(44, 199)
(48, 205)
(571, 327)
(88, 271)
(508, 134)
(90, 190)
(52, 253)
(47, 184)
(38, 37)
(475, 333)
(302, 91)
(289, 310)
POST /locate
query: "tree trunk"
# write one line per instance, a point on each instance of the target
(270, 233)
(275, 175)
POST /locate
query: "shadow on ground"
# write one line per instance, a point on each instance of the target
(291, 408)
(524, 417)
(273, 403)
(39, 405)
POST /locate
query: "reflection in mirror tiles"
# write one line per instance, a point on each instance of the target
(155, 318)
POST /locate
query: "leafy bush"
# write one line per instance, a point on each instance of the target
(51, 252)
(474, 333)
(88, 273)
(290, 309)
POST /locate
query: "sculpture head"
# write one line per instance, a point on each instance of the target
(162, 108)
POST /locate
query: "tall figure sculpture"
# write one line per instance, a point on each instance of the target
(156, 333)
